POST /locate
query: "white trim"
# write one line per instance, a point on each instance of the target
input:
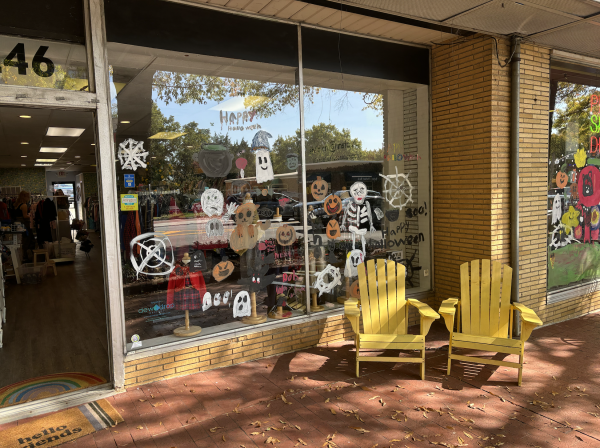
(559, 55)
(56, 403)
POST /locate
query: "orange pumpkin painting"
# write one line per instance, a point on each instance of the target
(319, 189)
(561, 179)
(286, 235)
(332, 205)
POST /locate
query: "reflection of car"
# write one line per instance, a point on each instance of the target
(373, 198)
(269, 204)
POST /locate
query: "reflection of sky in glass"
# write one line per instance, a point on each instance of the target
(329, 107)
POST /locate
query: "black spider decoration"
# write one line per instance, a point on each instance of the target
(257, 279)
(410, 269)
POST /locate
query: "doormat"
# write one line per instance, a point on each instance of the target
(47, 386)
(61, 427)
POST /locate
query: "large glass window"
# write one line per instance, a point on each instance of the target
(209, 162)
(574, 177)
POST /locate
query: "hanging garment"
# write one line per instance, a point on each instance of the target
(132, 229)
(47, 217)
(186, 289)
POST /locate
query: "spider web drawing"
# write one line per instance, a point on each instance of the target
(132, 155)
(397, 191)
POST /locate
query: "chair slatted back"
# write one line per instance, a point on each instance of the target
(382, 297)
(484, 305)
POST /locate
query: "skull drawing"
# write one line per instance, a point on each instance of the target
(212, 202)
(358, 191)
(206, 301)
(241, 304)
(354, 258)
(214, 227)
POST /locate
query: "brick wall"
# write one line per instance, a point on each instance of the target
(470, 157)
(236, 350)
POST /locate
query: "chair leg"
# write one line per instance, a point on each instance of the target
(449, 354)
(521, 358)
(423, 364)
(357, 351)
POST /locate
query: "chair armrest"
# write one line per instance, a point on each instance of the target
(352, 312)
(529, 320)
(448, 310)
(427, 315)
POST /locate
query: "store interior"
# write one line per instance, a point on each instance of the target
(53, 323)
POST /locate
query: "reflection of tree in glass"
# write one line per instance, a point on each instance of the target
(64, 78)
(266, 98)
(571, 123)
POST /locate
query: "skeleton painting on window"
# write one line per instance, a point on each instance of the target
(353, 259)
(357, 216)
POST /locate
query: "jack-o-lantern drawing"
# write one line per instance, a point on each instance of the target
(333, 229)
(354, 289)
(561, 179)
(222, 270)
(286, 235)
(319, 189)
(332, 204)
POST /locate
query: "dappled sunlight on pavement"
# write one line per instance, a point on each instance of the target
(312, 398)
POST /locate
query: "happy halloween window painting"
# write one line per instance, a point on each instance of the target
(574, 185)
(213, 236)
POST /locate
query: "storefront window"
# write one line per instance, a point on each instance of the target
(574, 181)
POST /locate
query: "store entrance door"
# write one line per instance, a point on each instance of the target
(53, 321)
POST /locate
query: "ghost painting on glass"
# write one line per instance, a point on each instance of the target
(264, 167)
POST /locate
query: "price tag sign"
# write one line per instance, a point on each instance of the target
(129, 180)
(129, 202)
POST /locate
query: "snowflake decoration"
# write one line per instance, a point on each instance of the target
(132, 155)
(398, 190)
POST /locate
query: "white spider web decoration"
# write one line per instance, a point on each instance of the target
(560, 237)
(397, 191)
(132, 155)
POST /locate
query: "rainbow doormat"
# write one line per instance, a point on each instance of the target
(47, 386)
(61, 427)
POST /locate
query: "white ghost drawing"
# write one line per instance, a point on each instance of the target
(264, 167)
(353, 259)
(556, 209)
(226, 296)
(217, 299)
(241, 304)
(214, 227)
(212, 202)
(206, 301)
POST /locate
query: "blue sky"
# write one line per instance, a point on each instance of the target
(364, 125)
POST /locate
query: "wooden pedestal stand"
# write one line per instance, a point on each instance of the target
(314, 306)
(342, 299)
(254, 318)
(279, 314)
(187, 330)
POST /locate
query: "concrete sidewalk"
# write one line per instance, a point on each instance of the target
(312, 398)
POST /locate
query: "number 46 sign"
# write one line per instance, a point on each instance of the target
(16, 58)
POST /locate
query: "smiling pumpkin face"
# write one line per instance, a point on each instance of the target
(286, 235)
(333, 229)
(222, 270)
(332, 205)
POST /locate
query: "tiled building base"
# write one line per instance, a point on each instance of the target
(237, 350)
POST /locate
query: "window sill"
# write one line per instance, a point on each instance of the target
(572, 292)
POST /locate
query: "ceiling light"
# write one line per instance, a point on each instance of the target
(42, 164)
(23, 164)
(25, 116)
(93, 144)
(61, 168)
(126, 122)
(23, 156)
(189, 147)
(64, 132)
(24, 143)
(48, 149)
(169, 135)
(153, 157)
(78, 157)
(92, 165)
(46, 160)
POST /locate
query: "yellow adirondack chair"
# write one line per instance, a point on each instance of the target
(487, 316)
(385, 313)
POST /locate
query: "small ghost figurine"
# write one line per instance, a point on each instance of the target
(353, 259)
(556, 209)
(206, 301)
(264, 167)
